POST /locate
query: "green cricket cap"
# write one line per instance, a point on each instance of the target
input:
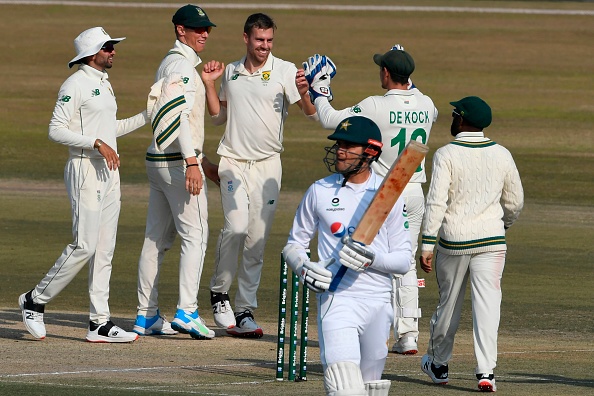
(474, 110)
(396, 61)
(358, 130)
(191, 16)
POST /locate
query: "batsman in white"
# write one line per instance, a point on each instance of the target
(403, 114)
(475, 195)
(176, 167)
(354, 321)
(84, 119)
(253, 100)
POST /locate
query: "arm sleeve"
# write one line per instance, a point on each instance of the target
(185, 135)
(330, 118)
(67, 106)
(130, 124)
(291, 91)
(437, 199)
(512, 197)
(305, 224)
(397, 260)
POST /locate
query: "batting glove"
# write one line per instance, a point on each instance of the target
(315, 275)
(397, 47)
(319, 70)
(355, 255)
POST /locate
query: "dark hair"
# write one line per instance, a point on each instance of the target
(258, 21)
(397, 78)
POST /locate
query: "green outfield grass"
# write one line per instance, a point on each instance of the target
(534, 70)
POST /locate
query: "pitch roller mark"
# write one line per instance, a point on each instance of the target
(320, 7)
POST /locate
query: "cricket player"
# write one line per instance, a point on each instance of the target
(475, 195)
(176, 167)
(354, 321)
(84, 119)
(403, 114)
(253, 100)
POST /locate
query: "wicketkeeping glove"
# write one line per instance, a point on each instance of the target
(315, 275)
(355, 255)
(397, 47)
(319, 70)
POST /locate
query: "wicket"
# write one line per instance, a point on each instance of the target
(293, 328)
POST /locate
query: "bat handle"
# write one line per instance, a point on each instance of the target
(337, 278)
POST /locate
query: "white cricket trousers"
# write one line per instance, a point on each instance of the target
(484, 271)
(94, 193)
(405, 296)
(354, 330)
(172, 210)
(249, 194)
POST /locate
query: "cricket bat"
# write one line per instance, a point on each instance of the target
(385, 197)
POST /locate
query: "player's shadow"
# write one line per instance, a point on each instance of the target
(424, 382)
(11, 326)
(531, 378)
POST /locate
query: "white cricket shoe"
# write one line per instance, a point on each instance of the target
(192, 324)
(222, 311)
(245, 326)
(438, 374)
(109, 332)
(486, 383)
(153, 325)
(406, 346)
(32, 315)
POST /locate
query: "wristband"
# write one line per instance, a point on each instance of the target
(187, 166)
(99, 143)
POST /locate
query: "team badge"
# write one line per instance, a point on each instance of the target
(345, 125)
(200, 12)
(266, 75)
(338, 229)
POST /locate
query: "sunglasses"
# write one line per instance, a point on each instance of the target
(455, 113)
(108, 48)
(200, 30)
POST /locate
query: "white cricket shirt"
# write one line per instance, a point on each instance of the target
(257, 106)
(333, 211)
(401, 115)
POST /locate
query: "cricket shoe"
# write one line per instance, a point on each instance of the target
(153, 325)
(192, 324)
(438, 375)
(406, 346)
(222, 311)
(32, 315)
(245, 326)
(109, 332)
(486, 383)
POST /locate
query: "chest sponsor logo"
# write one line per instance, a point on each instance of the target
(235, 76)
(335, 205)
(95, 92)
(339, 230)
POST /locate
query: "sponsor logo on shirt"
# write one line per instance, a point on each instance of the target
(356, 109)
(235, 76)
(337, 229)
(335, 205)
(95, 92)
(230, 186)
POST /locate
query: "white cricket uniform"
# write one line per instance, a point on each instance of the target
(85, 111)
(171, 207)
(250, 170)
(402, 116)
(475, 193)
(359, 313)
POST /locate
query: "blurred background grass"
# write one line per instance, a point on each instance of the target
(534, 70)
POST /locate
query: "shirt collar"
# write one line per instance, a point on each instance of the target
(93, 73)
(188, 52)
(372, 183)
(240, 68)
(472, 135)
(405, 92)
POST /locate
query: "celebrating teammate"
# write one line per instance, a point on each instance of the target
(176, 167)
(354, 321)
(84, 119)
(254, 96)
(474, 196)
(402, 114)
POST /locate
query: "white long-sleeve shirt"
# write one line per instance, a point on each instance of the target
(86, 110)
(475, 193)
(182, 60)
(401, 115)
(333, 211)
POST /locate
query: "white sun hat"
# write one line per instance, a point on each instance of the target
(90, 42)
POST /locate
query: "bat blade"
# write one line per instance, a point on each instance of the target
(385, 197)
